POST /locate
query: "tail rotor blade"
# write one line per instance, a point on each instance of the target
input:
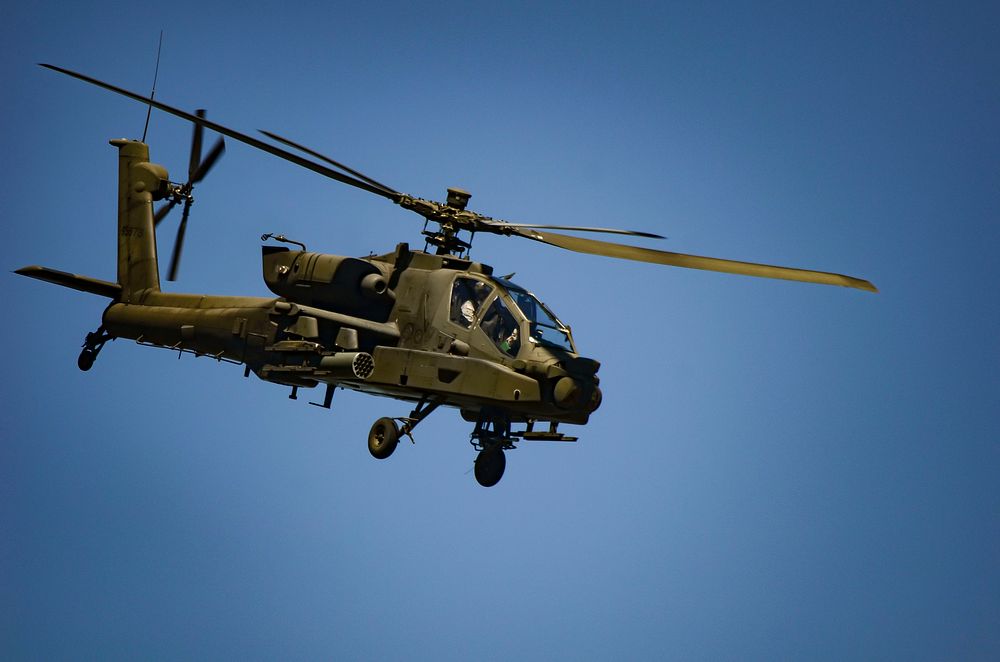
(196, 146)
(162, 212)
(175, 259)
(218, 149)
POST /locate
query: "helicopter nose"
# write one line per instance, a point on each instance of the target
(596, 397)
(570, 393)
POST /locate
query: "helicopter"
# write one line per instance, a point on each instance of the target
(430, 327)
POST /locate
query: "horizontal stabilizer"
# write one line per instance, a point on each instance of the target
(82, 283)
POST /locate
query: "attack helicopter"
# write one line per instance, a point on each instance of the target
(430, 327)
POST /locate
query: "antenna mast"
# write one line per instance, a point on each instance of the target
(156, 73)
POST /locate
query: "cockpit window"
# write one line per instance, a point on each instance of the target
(545, 327)
(467, 296)
(500, 325)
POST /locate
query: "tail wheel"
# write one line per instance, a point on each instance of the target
(490, 465)
(86, 360)
(382, 438)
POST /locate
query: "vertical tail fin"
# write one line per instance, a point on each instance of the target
(139, 183)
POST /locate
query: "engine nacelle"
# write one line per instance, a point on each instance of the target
(339, 283)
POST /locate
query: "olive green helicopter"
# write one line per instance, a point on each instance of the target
(431, 328)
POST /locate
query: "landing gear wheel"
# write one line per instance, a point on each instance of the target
(86, 360)
(490, 464)
(92, 345)
(383, 438)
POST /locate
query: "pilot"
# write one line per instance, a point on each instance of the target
(461, 302)
(468, 311)
(467, 296)
(476, 297)
(508, 343)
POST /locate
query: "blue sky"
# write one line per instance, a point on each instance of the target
(778, 470)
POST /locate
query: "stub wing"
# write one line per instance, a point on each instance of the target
(83, 283)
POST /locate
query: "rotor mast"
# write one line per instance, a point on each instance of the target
(451, 218)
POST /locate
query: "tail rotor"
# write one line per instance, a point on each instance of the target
(197, 169)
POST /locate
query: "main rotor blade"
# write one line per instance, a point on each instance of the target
(235, 135)
(637, 253)
(217, 150)
(195, 147)
(321, 157)
(175, 258)
(632, 233)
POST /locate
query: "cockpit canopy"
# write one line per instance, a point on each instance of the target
(505, 318)
(545, 326)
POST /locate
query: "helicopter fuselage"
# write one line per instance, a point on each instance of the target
(396, 308)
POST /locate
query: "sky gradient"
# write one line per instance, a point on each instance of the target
(779, 470)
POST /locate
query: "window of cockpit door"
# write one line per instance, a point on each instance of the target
(501, 327)
(467, 297)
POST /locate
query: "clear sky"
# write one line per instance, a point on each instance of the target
(779, 470)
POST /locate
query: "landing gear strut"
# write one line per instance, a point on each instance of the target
(385, 434)
(491, 437)
(92, 345)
